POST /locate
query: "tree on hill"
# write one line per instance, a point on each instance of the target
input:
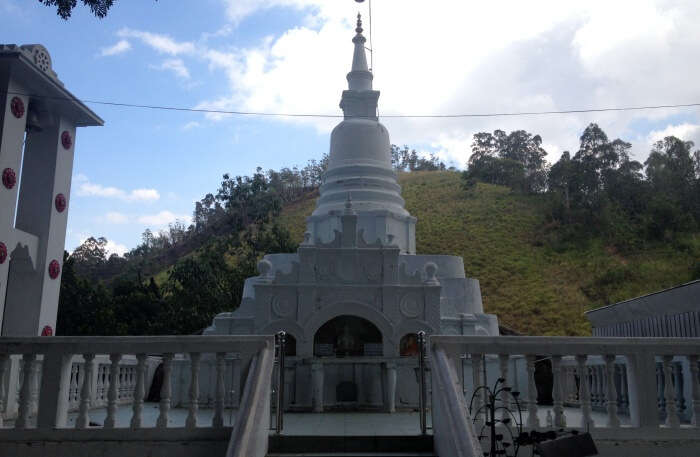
(405, 159)
(515, 160)
(600, 191)
(672, 171)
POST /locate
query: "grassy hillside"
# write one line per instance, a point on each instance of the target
(531, 287)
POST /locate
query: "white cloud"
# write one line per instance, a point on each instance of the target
(163, 218)
(116, 218)
(85, 188)
(113, 247)
(161, 43)
(177, 66)
(144, 195)
(237, 10)
(549, 55)
(685, 131)
(191, 125)
(118, 48)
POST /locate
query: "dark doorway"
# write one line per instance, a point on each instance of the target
(346, 391)
(348, 336)
(290, 345)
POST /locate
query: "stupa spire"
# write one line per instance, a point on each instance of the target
(359, 78)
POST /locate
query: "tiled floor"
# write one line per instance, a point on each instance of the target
(329, 423)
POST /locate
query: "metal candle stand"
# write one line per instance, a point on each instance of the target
(499, 446)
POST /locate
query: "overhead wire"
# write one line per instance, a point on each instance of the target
(395, 116)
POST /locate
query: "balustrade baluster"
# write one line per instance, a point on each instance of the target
(661, 401)
(505, 396)
(112, 392)
(571, 390)
(100, 385)
(83, 419)
(476, 379)
(25, 393)
(36, 379)
(584, 392)
(558, 404)
(139, 392)
(624, 393)
(600, 385)
(669, 393)
(122, 383)
(73, 384)
(218, 420)
(593, 373)
(611, 392)
(602, 388)
(4, 359)
(695, 388)
(132, 372)
(532, 421)
(191, 421)
(678, 383)
(162, 421)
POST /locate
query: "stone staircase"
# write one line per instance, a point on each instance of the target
(351, 446)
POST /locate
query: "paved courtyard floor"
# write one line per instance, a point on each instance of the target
(325, 424)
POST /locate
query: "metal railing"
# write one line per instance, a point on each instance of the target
(422, 406)
(280, 343)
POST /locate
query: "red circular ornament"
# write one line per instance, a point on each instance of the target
(54, 269)
(66, 140)
(17, 107)
(9, 178)
(3, 252)
(47, 331)
(60, 202)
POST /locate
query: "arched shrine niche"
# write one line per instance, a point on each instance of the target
(290, 345)
(348, 336)
(408, 347)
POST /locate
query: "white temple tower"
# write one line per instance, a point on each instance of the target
(360, 166)
(38, 120)
(355, 294)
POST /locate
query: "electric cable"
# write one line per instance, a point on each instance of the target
(395, 116)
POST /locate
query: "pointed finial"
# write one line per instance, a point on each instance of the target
(348, 205)
(359, 78)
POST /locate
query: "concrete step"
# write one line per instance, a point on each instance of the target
(356, 454)
(351, 446)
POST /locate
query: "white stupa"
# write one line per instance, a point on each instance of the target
(360, 165)
(354, 295)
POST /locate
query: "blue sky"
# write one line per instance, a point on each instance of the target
(145, 168)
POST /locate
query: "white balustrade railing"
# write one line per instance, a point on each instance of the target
(601, 371)
(11, 385)
(82, 373)
(640, 380)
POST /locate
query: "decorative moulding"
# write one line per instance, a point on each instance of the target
(9, 178)
(17, 107)
(66, 139)
(54, 269)
(60, 203)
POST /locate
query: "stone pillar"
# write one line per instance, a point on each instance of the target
(642, 393)
(33, 212)
(13, 120)
(390, 372)
(317, 386)
(42, 211)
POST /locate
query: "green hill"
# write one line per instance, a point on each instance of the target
(531, 287)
